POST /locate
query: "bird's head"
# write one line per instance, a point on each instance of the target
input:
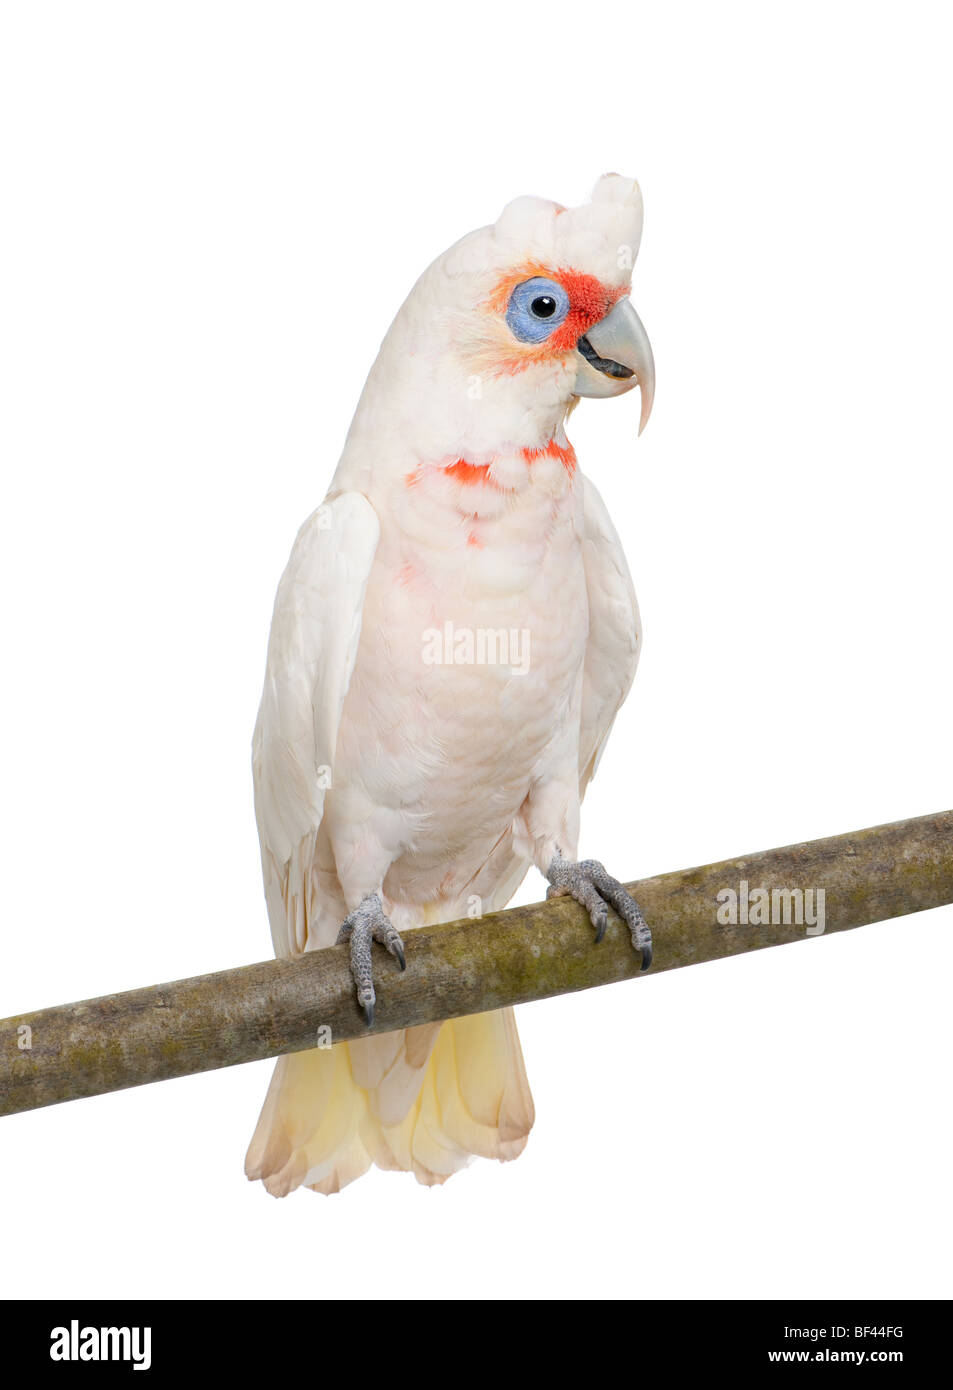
(552, 310)
(509, 327)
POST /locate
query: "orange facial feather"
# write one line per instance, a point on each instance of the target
(589, 301)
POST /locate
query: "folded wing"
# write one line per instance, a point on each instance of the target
(315, 632)
(615, 633)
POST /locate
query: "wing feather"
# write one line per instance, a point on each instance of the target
(315, 630)
(615, 633)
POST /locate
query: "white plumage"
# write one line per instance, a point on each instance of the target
(457, 500)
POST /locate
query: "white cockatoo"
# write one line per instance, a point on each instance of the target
(451, 641)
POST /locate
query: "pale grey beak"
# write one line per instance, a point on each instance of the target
(617, 355)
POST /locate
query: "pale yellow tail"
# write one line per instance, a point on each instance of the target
(424, 1101)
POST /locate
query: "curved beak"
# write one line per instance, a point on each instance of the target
(617, 355)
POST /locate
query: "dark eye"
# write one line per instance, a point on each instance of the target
(537, 307)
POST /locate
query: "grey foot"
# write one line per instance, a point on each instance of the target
(588, 882)
(365, 924)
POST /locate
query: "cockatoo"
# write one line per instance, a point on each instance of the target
(452, 639)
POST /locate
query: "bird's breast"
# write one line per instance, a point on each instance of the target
(471, 651)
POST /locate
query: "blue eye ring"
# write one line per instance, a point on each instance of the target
(536, 307)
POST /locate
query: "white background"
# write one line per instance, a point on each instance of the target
(210, 215)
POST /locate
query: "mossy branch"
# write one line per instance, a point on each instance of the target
(463, 967)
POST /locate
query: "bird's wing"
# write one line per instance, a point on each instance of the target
(315, 631)
(615, 632)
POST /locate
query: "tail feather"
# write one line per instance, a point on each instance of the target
(392, 1078)
(423, 1101)
(308, 1123)
(480, 1086)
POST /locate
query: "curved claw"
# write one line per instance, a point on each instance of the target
(596, 890)
(363, 926)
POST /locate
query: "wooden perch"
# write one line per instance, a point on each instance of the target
(464, 967)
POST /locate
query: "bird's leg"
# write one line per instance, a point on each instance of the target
(368, 922)
(590, 885)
